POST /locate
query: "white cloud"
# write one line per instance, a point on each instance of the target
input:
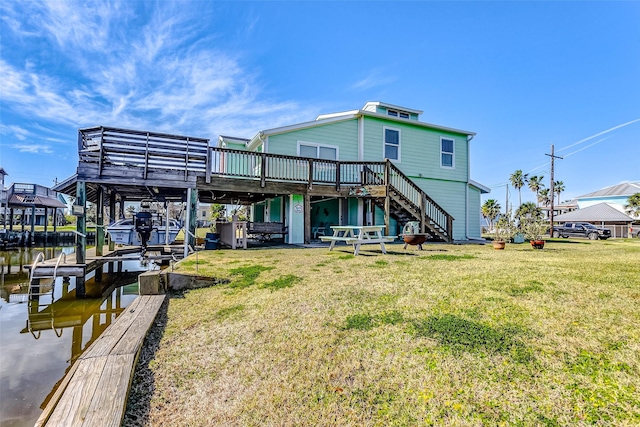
(157, 74)
(375, 78)
(33, 149)
(17, 132)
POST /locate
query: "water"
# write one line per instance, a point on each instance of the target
(39, 340)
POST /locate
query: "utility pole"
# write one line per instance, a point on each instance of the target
(553, 157)
(506, 206)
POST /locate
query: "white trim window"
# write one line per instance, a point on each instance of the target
(391, 145)
(447, 152)
(395, 113)
(317, 151)
(322, 171)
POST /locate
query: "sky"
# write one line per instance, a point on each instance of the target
(522, 75)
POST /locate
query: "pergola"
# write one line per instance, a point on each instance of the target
(29, 197)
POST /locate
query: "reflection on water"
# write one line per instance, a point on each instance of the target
(42, 337)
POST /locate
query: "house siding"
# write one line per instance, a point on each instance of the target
(419, 149)
(473, 214)
(236, 146)
(343, 135)
(450, 195)
(420, 158)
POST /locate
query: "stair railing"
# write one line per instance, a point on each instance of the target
(428, 208)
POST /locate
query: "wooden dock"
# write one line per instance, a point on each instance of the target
(94, 391)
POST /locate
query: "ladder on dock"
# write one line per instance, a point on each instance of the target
(35, 287)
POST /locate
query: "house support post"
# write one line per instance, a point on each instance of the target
(32, 221)
(190, 223)
(81, 224)
(423, 214)
(112, 216)
(307, 218)
(99, 222)
(99, 230)
(387, 198)
(46, 222)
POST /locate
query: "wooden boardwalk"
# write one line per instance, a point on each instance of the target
(94, 391)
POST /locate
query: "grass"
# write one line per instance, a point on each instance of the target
(452, 335)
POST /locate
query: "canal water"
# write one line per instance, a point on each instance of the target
(41, 338)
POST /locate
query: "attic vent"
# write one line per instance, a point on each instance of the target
(396, 113)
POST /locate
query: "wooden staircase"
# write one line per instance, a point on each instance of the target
(405, 202)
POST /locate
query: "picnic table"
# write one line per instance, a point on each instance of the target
(358, 235)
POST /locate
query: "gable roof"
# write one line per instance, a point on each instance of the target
(603, 212)
(371, 105)
(325, 119)
(624, 189)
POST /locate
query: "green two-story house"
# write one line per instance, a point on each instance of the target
(426, 177)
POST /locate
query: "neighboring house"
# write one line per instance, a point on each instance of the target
(33, 204)
(617, 196)
(602, 215)
(434, 157)
(204, 215)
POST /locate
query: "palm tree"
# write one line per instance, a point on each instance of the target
(558, 187)
(490, 210)
(528, 209)
(633, 206)
(518, 179)
(535, 184)
(543, 197)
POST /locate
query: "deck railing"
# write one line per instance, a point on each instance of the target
(101, 147)
(276, 167)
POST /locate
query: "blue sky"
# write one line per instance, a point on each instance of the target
(522, 75)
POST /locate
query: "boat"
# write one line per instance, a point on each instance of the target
(123, 232)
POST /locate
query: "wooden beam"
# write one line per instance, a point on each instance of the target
(307, 218)
(100, 221)
(81, 223)
(387, 199)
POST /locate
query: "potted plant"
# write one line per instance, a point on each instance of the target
(504, 231)
(533, 226)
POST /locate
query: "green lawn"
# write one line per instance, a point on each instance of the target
(452, 335)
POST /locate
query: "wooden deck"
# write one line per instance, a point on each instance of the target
(94, 391)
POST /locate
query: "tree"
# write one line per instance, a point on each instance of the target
(633, 206)
(558, 187)
(131, 210)
(217, 212)
(490, 210)
(543, 197)
(518, 179)
(535, 185)
(528, 209)
(530, 221)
